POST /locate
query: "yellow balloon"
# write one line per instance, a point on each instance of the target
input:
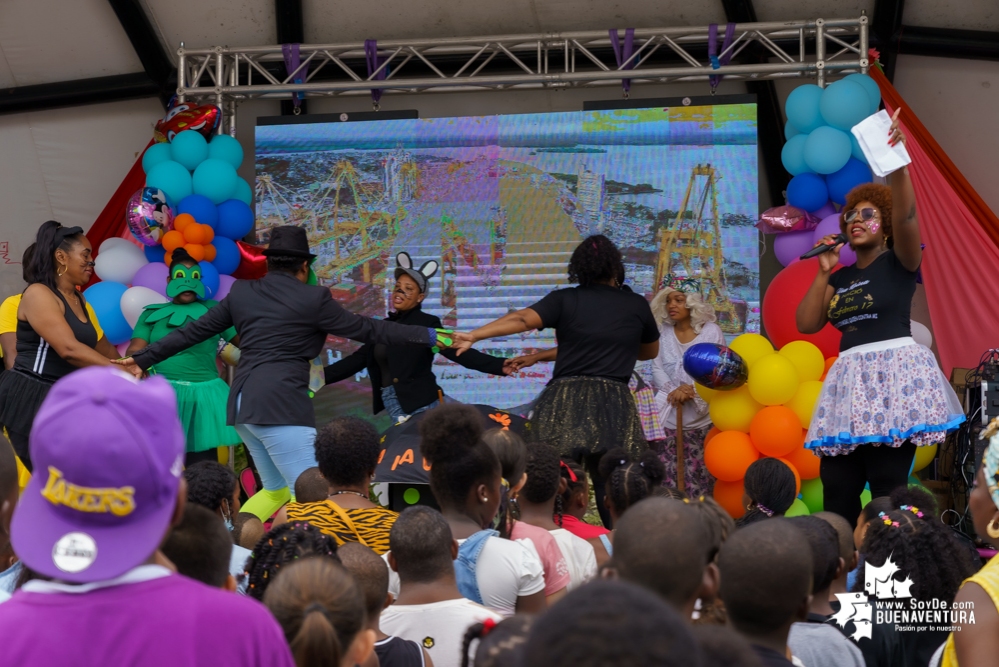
(733, 410)
(704, 392)
(807, 359)
(773, 380)
(804, 400)
(924, 457)
(750, 347)
(223, 455)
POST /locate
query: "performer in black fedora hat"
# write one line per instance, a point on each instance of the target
(402, 378)
(282, 323)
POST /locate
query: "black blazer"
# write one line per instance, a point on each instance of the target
(282, 325)
(412, 368)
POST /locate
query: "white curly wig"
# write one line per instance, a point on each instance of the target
(700, 312)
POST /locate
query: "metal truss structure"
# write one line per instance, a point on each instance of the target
(224, 75)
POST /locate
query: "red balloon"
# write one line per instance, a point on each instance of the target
(187, 116)
(252, 263)
(780, 304)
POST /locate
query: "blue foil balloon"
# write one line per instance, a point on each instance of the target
(715, 366)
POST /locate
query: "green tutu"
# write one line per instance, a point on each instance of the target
(201, 407)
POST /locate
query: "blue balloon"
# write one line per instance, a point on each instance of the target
(200, 208)
(802, 108)
(793, 155)
(215, 179)
(715, 366)
(872, 88)
(244, 192)
(154, 155)
(226, 148)
(210, 277)
(154, 253)
(105, 299)
(235, 219)
(855, 149)
(227, 255)
(170, 177)
(827, 150)
(850, 176)
(189, 148)
(808, 192)
(844, 104)
(790, 131)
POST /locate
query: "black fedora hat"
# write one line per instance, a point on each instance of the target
(288, 242)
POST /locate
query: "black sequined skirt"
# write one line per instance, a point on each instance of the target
(582, 416)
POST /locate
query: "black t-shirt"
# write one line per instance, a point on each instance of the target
(873, 303)
(598, 328)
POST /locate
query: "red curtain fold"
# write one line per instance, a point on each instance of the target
(961, 261)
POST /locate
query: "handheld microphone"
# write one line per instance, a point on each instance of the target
(819, 249)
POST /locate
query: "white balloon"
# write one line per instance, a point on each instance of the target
(135, 299)
(921, 333)
(113, 242)
(120, 263)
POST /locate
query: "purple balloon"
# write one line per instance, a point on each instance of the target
(154, 276)
(825, 211)
(791, 245)
(225, 284)
(830, 225)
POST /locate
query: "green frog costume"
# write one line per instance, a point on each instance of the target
(201, 393)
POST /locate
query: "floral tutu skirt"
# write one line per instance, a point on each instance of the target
(883, 393)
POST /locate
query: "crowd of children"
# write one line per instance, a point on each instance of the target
(506, 574)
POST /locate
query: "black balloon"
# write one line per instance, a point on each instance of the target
(715, 366)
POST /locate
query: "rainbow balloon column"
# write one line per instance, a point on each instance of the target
(823, 157)
(193, 199)
(765, 417)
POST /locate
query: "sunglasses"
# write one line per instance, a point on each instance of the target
(864, 213)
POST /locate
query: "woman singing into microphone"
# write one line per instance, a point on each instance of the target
(885, 395)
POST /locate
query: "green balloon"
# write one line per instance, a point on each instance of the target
(865, 497)
(811, 494)
(798, 508)
(411, 496)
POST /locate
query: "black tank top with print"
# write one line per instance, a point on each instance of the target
(36, 356)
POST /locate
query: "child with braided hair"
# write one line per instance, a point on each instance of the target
(628, 482)
(770, 490)
(282, 545)
(500, 644)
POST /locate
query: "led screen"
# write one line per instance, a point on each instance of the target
(500, 202)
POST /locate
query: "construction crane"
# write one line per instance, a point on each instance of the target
(454, 245)
(692, 248)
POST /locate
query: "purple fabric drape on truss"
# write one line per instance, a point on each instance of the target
(623, 53)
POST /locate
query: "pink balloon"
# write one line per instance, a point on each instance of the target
(122, 347)
(790, 245)
(154, 276)
(830, 225)
(225, 284)
(825, 211)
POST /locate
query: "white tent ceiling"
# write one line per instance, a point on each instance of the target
(66, 163)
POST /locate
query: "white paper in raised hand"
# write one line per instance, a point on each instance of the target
(872, 135)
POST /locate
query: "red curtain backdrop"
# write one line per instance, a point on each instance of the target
(961, 260)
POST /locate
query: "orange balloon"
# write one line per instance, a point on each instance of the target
(208, 232)
(805, 462)
(210, 257)
(168, 258)
(829, 362)
(729, 496)
(195, 250)
(172, 240)
(797, 477)
(729, 454)
(711, 433)
(195, 234)
(183, 221)
(775, 430)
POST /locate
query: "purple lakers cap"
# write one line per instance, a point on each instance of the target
(108, 452)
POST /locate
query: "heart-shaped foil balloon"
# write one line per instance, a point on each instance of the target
(782, 219)
(252, 263)
(188, 116)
